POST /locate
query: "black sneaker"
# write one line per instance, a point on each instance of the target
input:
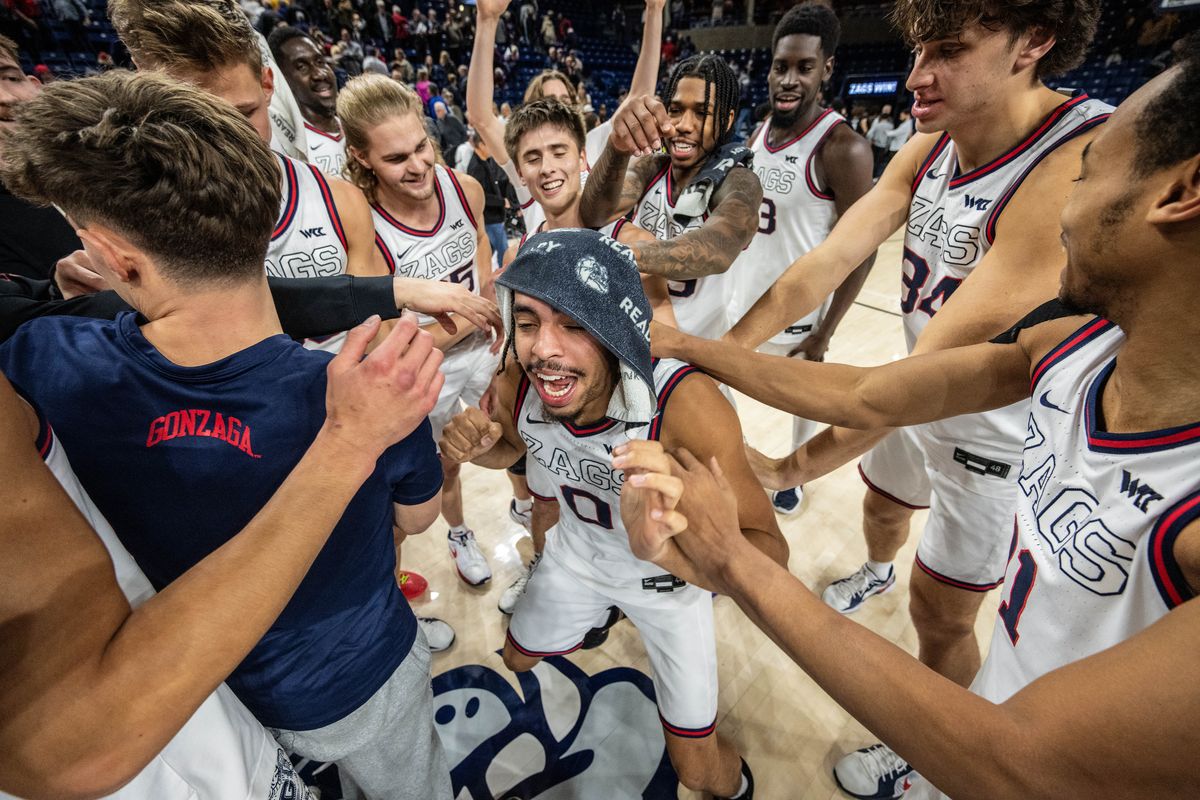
(598, 636)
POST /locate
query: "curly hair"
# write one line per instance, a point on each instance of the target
(174, 170)
(364, 102)
(813, 19)
(549, 111)
(1072, 22)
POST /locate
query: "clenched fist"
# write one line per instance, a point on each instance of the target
(468, 436)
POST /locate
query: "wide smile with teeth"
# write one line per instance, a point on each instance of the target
(555, 387)
(682, 147)
(552, 186)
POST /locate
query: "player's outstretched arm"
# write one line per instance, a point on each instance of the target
(645, 72)
(487, 439)
(92, 690)
(481, 86)
(697, 398)
(1067, 734)
(614, 183)
(711, 248)
(858, 233)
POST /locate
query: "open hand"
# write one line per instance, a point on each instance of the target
(440, 299)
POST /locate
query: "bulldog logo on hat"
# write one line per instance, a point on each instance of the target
(592, 274)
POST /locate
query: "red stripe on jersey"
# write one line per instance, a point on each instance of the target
(337, 137)
(462, 198)
(767, 139)
(934, 152)
(808, 178)
(687, 733)
(387, 254)
(1077, 339)
(400, 226)
(665, 395)
(293, 196)
(1168, 577)
(1038, 133)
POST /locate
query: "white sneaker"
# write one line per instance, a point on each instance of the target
(522, 518)
(468, 559)
(847, 595)
(437, 632)
(873, 773)
(508, 600)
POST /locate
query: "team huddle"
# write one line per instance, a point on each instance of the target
(1046, 414)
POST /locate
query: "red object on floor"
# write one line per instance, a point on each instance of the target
(412, 584)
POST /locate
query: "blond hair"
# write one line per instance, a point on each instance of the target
(8, 49)
(174, 170)
(367, 101)
(534, 91)
(186, 37)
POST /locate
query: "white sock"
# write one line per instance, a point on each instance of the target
(881, 569)
(742, 789)
(458, 529)
(522, 505)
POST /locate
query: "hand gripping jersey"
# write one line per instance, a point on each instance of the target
(951, 226)
(701, 305)
(1099, 513)
(308, 240)
(445, 252)
(589, 537)
(326, 150)
(221, 751)
(796, 216)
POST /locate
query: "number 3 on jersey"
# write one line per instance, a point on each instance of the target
(913, 278)
(767, 215)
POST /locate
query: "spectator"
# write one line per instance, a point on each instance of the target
(529, 13)
(549, 35)
(618, 23)
(405, 67)
(450, 130)
(669, 51)
(422, 86)
(451, 106)
(75, 17)
(379, 25)
(505, 112)
(877, 135)
(496, 190)
(373, 62)
(903, 131)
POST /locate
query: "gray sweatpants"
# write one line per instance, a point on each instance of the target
(387, 748)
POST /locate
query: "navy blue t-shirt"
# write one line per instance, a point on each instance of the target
(180, 459)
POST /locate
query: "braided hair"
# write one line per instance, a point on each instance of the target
(720, 88)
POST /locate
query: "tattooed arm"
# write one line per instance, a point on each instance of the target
(710, 249)
(615, 185)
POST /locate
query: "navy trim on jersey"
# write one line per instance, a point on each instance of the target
(333, 137)
(522, 390)
(808, 178)
(400, 226)
(590, 430)
(537, 496)
(888, 495)
(649, 186)
(387, 254)
(537, 654)
(934, 153)
(1168, 577)
(668, 389)
(955, 582)
(1080, 338)
(621, 223)
(687, 733)
(989, 229)
(292, 189)
(995, 164)
(1148, 442)
(462, 198)
(793, 140)
(330, 206)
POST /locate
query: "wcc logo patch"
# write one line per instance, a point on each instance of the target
(592, 274)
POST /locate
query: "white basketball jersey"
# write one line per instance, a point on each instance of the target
(221, 751)
(326, 150)
(951, 226)
(797, 214)
(308, 240)
(577, 462)
(1097, 521)
(445, 252)
(612, 230)
(701, 305)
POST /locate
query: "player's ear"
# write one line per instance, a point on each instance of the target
(359, 156)
(268, 82)
(1032, 46)
(1179, 200)
(828, 74)
(111, 252)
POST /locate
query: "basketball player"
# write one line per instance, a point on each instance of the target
(429, 223)
(980, 186)
(695, 254)
(195, 410)
(314, 85)
(550, 83)
(324, 226)
(812, 167)
(545, 139)
(1087, 690)
(584, 388)
(87, 706)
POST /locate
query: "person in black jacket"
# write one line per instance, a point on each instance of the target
(496, 191)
